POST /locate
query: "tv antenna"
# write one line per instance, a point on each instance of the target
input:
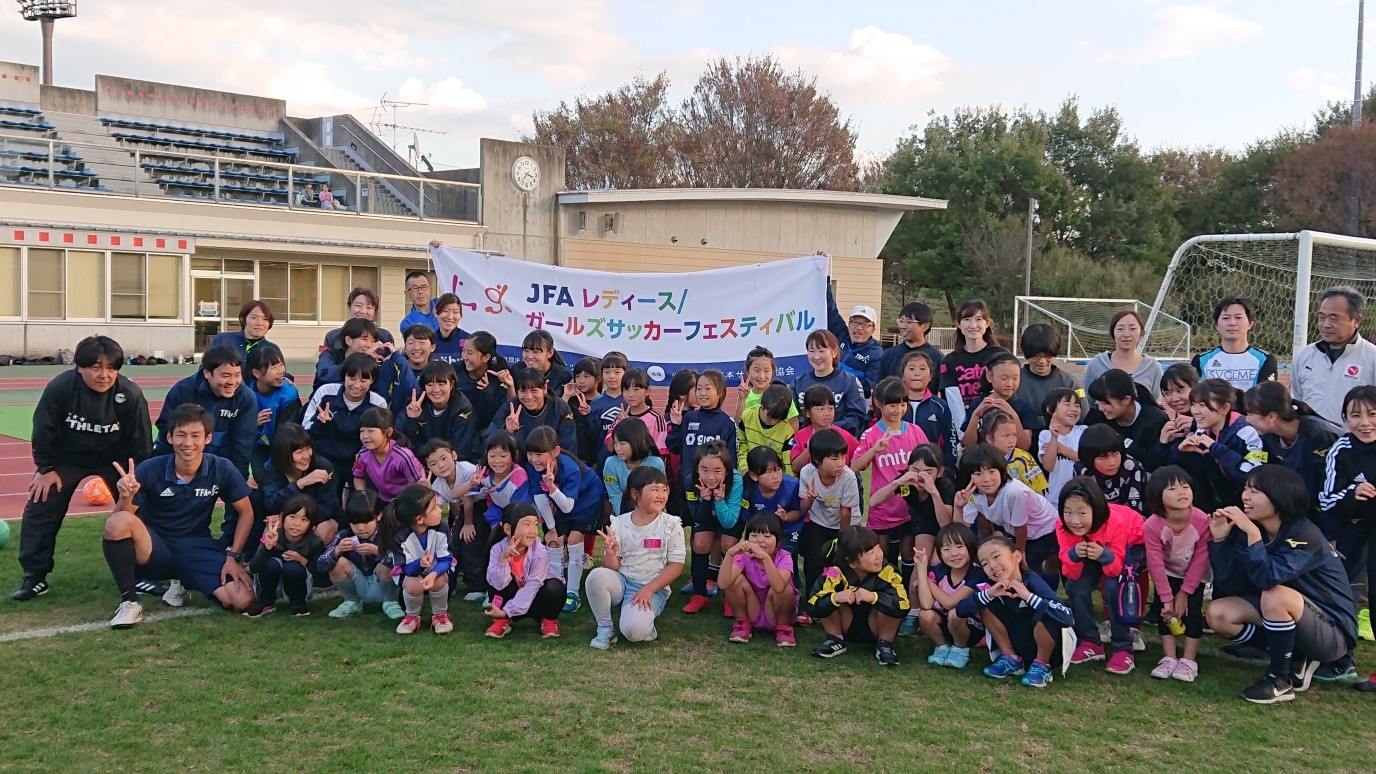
(384, 118)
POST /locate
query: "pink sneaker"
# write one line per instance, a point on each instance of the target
(1185, 671)
(1120, 663)
(1086, 652)
(1164, 668)
(783, 637)
(741, 631)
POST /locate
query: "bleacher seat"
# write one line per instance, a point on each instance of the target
(25, 161)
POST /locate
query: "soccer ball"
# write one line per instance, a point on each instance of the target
(4, 532)
(96, 492)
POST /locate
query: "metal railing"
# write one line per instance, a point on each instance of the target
(215, 175)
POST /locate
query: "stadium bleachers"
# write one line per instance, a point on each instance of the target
(25, 161)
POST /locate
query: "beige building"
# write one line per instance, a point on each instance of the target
(153, 211)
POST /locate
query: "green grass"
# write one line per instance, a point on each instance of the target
(221, 692)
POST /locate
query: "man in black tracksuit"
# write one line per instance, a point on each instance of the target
(88, 418)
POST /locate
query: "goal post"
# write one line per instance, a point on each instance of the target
(1282, 274)
(1083, 324)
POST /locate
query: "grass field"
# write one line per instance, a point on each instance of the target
(222, 692)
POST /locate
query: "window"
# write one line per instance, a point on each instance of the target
(9, 282)
(164, 287)
(335, 284)
(293, 290)
(127, 286)
(272, 283)
(47, 286)
(85, 285)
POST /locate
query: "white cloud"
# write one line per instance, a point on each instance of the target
(1310, 81)
(873, 67)
(446, 96)
(1185, 31)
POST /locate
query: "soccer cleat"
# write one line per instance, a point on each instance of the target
(150, 588)
(347, 608)
(740, 631)
(908, 628)
(1038, 675)
(409, 625)
(572, 602)
(696, 604)
(783, 637)
(1366, 686)
(1105, 632)
(605, 638)
(176, 594)
(939, 656)
(32, 586)
(1086, 652)
(549, 628)
(1120, 663)
(1269, 690)
(393, 610)
(1302, 669)
(474, 596)
(300, 611)
(1185, 671)
(1165, 668)
(1341, 671)
(689, 588)
(1006, 666)
(499, 628)
(884, 654)
(1364, 624)
(802, 619)
(958, 657)
(1138, 644)
(256, 610)
(1245, 651)
(128, 614)
(441, 624)
(831, 647)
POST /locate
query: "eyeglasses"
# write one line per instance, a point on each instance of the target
(862, 323)
(414, 288)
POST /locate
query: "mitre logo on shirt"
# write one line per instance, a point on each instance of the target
(1215, 364)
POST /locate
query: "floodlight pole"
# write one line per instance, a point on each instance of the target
(1027, 264)
(1353, 184)
(46, 24)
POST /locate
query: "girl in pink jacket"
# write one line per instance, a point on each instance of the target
(1095, 542)
(1177, 545)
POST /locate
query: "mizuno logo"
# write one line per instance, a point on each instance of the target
(1295, 543)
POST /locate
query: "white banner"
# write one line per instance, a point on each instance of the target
(661, 321)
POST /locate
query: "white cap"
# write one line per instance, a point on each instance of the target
(866, 312)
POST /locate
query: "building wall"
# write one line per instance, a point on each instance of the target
(858, 280)
(118, 96)
(19, 82)
(521, 224)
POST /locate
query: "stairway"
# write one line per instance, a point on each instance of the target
(114, 164)
(384, 201)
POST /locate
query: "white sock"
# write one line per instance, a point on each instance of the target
(556, 562)
(575, 579)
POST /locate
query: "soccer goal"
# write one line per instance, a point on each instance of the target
(1084, 325)
(1283, 275)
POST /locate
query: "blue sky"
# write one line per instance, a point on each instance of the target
(1195, 74)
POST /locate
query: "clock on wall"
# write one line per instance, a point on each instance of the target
(525, 173)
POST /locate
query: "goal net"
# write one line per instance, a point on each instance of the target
(1083, 325)
(1282, 274)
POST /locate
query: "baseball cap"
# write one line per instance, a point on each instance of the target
(866, 312)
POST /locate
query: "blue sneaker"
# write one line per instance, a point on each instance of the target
(939, 656)
(908, 628)
(1038, 676)
(572, 602)
(689, 588)
(957, 658)
(1006, 666)
(605, 638)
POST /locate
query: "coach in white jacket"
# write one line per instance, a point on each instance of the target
(1341, 359)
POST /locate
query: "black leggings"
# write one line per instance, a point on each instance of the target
(813, 547)
(1193, 616)
(1357, 543)
(548, 602)
(291, 575)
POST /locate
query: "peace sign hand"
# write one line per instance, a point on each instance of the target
(810, 490)
(966, 495)
(413, 408)
(513, 420)
(128, 484)
(324, 414)
(676, 413)
(609, 543)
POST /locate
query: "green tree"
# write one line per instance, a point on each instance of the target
(1340, 113)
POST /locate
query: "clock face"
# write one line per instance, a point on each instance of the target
(525, 173)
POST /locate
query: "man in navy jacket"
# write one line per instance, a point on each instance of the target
(220, 389)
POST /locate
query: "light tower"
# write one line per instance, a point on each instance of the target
(45, 12)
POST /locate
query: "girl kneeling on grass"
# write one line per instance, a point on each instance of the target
(757, 577)
(519, 575)
(1097, 541)
(411, 528)
(860, 598)
(1177, 545)
(1024, 617)
(285, 556)
(642, 553)
(360, 570)
(940, 588)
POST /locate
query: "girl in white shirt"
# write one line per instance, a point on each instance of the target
(993, 500)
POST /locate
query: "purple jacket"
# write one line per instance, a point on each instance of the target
(537, 571)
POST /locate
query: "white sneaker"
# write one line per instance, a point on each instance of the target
(176, 594)
(128, 614)
(1138, 645)
(1105, 632)
(474, 596)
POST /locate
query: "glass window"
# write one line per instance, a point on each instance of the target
(85, 285)
(272, 283)
(239, 266)
(165, 287)
(47, 270)
(364, 277)
(305, 305)
(334, 293)
(127, 286)
(205, 264)
(9, 281)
